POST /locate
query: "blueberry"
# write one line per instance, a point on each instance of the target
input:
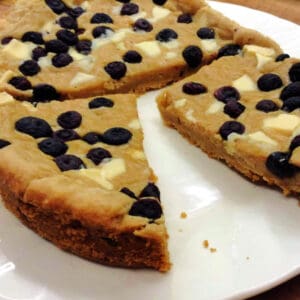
(97, 155)
(57, 6)
(38, 52)
(230, 127)
(76, 12)
(267, 106)
(116, 69)
(101, 18)
(84, 46)
(291, 104)
(206, 33)
(67, 36)
(56, 46)
(282, 57)
(20, 83)
(128, 192)
(291, 90)
(278, 164)
(80, 31)
(143, 25)
(61, 60)
(100, 102)
(159, 2)
(132, 57)
(194, 88)
(34, 127)
(185, 18)
(53, 147)
(6, 40)
(147, 208)
(295, 143)
(34, 37)
(129, 9)
(116, 136)
(101, 31)
(29, 68)
(269, 82)
(66, 135)
(44, 93)
(193, 56)
(151, 190)
(229, 50)
(92, 138)
(69, 162)
(227, 93)
(233, 109)
(4, 143)
(68, 22)
(69, 120)
(166, 35)
(294, 72)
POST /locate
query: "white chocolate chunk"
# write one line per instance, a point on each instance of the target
(171, 45)
(135, 124)
(283, 123)
(18, 50)
(171, 55)
(95, 174)
(113, 168)
(244, 84)
(81, 78)
(189, 115)
(158, 13)
(6, 76)
(121, 46)
(215, 107)
(47, 28)
(140, 15)
(262, 60)
(209, 45)
(6, 98)
(295, 158)
(138, 155)
(45, 62)
(76, 55)
(260, 50)
(86, 63)
(180, 103)
(150, 48)
(116, 9)
(120, 35)
(85, 5)
(260, 137)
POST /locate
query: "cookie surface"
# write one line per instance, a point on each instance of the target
(78, 49)
(243, 110)
(76, 173)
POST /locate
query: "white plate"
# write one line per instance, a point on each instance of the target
(254, 229)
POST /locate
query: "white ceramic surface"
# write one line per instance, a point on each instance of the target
(254, 229)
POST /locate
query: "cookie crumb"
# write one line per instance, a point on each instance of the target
(213, 250)
(205, 244)
(247, 257)
(183, 215)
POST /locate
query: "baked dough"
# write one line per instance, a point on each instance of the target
(76, 173)
(243, 112)
(85, 48)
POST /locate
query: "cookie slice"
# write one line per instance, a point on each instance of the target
(243, 110)
(75, 172)
(59, 49)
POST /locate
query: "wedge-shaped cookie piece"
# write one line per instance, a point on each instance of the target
(244, 113)
(75, 172)
(72, 49)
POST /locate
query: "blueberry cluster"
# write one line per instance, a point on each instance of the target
(55, 143)
(147, 203)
